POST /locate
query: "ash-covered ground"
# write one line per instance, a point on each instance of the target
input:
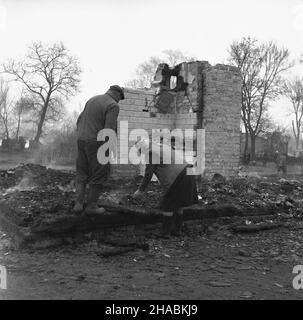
(38, 192)
(209, 261)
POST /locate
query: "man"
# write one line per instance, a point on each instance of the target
(281, 159)
(100, 112)
(179, 188)
(265, 158)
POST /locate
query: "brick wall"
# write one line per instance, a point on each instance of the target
(221, 119)
(213, 103)
(131, 111)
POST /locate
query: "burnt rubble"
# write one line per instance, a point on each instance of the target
(36, 202)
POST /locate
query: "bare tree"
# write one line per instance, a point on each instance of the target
(145, 72)
(22, 111)
(5, 108)
(267, 125)
(19, 107)
(293, 90)
(50, 74)
(261, 66)
(3, 92)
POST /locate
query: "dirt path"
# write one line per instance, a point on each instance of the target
(208, 262)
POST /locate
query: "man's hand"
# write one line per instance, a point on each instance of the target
(138, 194)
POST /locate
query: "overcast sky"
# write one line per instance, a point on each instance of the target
(111, 37)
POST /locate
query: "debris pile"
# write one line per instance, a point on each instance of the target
(280, 194)
(41, 176)
(35, 192)
(38, 193)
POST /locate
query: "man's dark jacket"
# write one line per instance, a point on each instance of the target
(100, 112)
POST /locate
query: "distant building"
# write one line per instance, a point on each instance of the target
(266, 145)
(260, 147)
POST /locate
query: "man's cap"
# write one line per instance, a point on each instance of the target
(118, 89)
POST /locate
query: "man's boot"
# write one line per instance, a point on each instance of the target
(80, 195)
(92, 201)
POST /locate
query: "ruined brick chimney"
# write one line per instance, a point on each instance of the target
(191, 95)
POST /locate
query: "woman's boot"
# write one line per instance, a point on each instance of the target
(178, 219)
(167, 225)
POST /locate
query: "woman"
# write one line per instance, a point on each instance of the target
(179, 188)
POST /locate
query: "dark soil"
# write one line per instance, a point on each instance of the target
(39, 193)
(209, 261)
